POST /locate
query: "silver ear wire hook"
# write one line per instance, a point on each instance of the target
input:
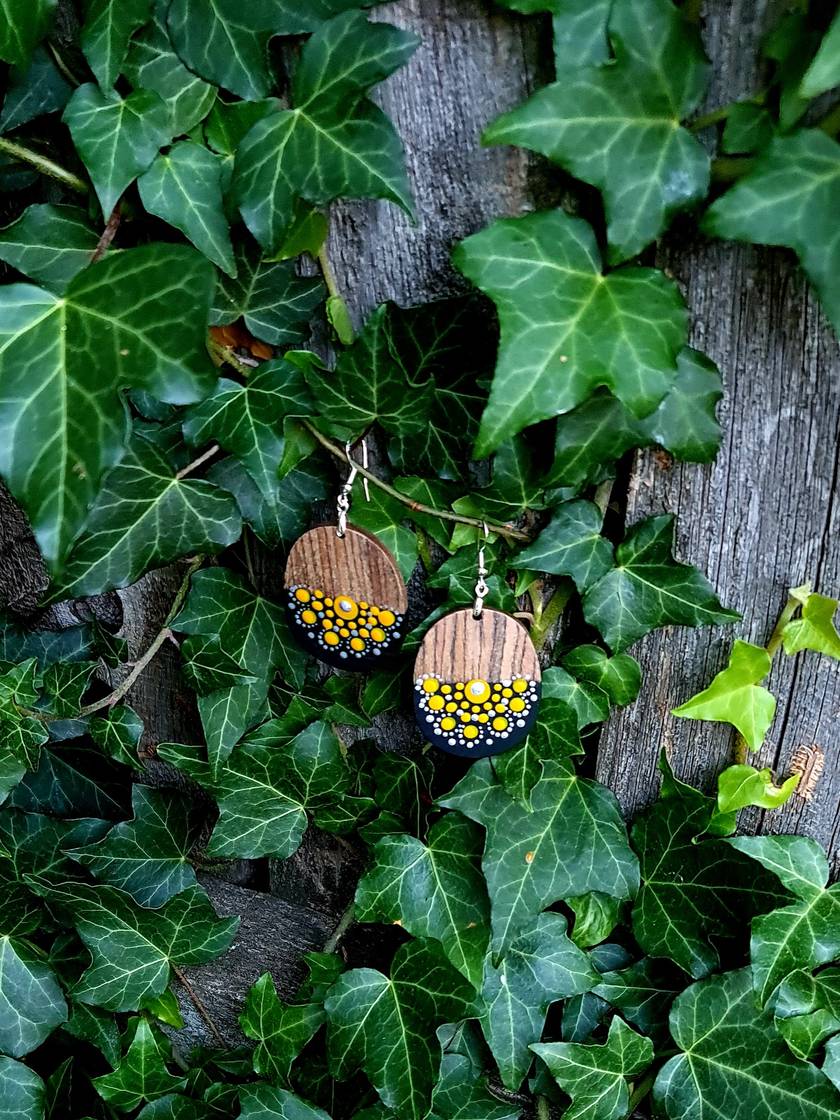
(344, 494)
(481, 588)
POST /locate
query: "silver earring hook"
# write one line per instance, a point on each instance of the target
(344, 495)
(481, 588)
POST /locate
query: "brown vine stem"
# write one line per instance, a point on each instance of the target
(212, 450)
(43, 164)
(108, 234)
(163, 635)
(200, 1006)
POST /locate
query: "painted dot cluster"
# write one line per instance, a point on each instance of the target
(474, 713)
(342, 626)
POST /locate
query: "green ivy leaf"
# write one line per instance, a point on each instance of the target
(642, 993)
(433, 890)
(280, 1029)
(596, 916)
(145, 517)
(147, 856)
(287, 512)
(735, 697)
(589, 703)
(571, 841)
(617, 126)
(619, 676)
(208, 668)
(805, 934)
(386, 1025)
(571, 545)
(99, 1028)
(807, 1009)
(65, 360)
(274, 301)
(580, 28)
(141, 1075)
(184, 187)
(33, 90)
(824, 71)
(118, 734)
(50, 244)
(648, 588)
(749, 127)
(790, 197)
(25, 23)
(740, 786)
(554, 736)
(31, 1001)
(542, 965)
(335, 143)
(64, 685)
(117, 138)
(704, 1079)
(814, 629)
(266, 1102)
(21, 1089)
(566, 327)
(461, 1092)
(109, 24)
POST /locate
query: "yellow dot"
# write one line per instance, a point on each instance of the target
(325, 622)
(464, 705)
(500, 724)
(452, 706)
(464, 717)
(377, 634)
(331, 638)
(506, 692)
(374, 610)
(447, 723)
(344, 633)
(318, 594)
(447, 688)
(352, 625)
(387, 618)
(482, 717)
(459, 696)
(327, 600)
(363, 606)
(364, 633)
(436, 703)
(501, 708)
(516, 704)
(316, 606)
(302, 595)
(309, 617)
(460, 684)
(431, 684)
(471, 732)
(477, 691)
(496, 697)
(345, 607)
(357, 644)
(520, 685)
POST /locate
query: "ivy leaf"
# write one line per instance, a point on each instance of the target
(595, 1076)
(433, 890)
(554, 736)
(824, 71)
(184, 187)
(21, 1089)
(64, 684)
(740, 786)
(145, 517)
(65, 360)
(51, 244)
(566, 327)
(117, 138)
(33, 90)
(275, 303)
(648, 588)
(335, 143)
(280, 1029)
(31, 1001)
(109, 24)
(617, 126)
(146, 856)
(542, 965)
(141, 1075)
(580, 28)
(461, 1092)
(748, 128)
(642, 993)
(131, 948)
(386, 1025)
(571, 545)
(595, 917)
(208, 668)
(790, 197)
(814, 629)
(266, 1102)
(287, 512)
(571, 841)
(704, 1079)
(619, 676)
(805, 934)
(118, 734)
(589, 703)
(735, 697)
(25, 23)
(89, 1024)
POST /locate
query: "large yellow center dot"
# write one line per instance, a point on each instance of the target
(436, 703)
(477, 691)
(471, 732)
(345, 608)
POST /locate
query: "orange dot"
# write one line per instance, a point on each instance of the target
(331, 638)
(302, 595)
(309, 617)
(377, 634)
(357, 644)
(387, 618)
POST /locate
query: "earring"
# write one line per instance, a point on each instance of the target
(476, 679)
(345, 597)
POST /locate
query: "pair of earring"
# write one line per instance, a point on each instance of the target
(476, 676)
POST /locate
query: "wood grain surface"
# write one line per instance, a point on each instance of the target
(494, 647)
(356, 564)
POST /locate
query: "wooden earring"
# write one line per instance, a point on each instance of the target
(476, 680)
(345, 597)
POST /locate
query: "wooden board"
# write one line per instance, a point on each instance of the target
(356, 564)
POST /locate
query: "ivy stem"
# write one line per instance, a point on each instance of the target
(328, 273)
(830, 124)
(163, 635)
(43, 164)
(550, 614)
(200, 1006)
(212, 450)
(345, 922)
(726, 169)
(543, 1108)
(641, 1091)
(711, 118)
(108, 234)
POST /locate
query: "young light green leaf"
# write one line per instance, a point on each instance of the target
(274, 301)
(566, 327)
(184, 187)
(595, 917)
(648, 588)
(31, 1001)
(117, 138)
(65, 360)
(33, 90)
(21, 1089)
(594, 1075)
(740, 786)
(814, 629)
(25, 23)
(386, 1025)
(617, 126)
(145, 517)
(824, 71)
(141, 1075)
(335, 143)
(50, 244)
(109, 24)
(704, 1080)
(64, 684)
(571, 841)
(542, 965)
(433, 890)
(571, 545)
(790, 197)
(735, 696)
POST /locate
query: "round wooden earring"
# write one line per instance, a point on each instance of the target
(345, 597)
(476, 683)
